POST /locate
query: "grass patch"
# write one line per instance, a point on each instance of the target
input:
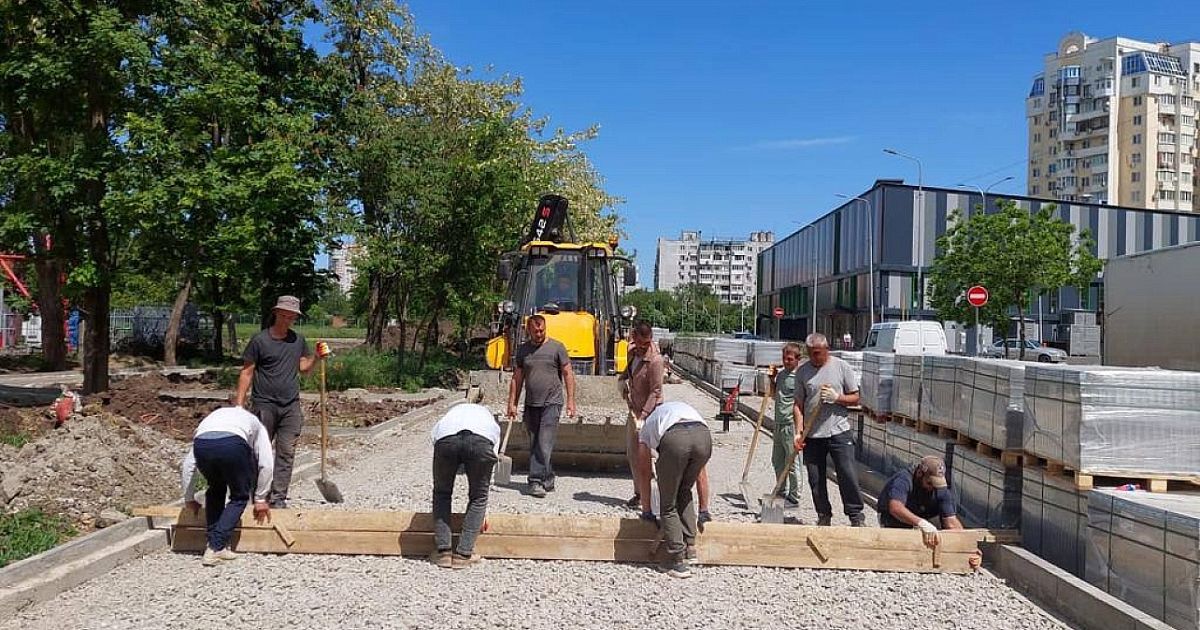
(30, 532)
(246, 331)
(362, 367)
(14, 438)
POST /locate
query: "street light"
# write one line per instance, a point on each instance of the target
(870, 250)
(984, 191)
(921, 225)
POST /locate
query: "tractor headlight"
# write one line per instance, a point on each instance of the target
(629, 311)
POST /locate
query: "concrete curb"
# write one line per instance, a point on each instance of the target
(50, 573)
(1067, 596)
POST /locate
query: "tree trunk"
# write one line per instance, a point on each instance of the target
(402, 296)
(50, 308)
(171, 339)
(95, 343)
(376, 310)
(231, 324)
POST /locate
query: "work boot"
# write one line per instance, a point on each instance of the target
(824, 520)
(227, 554)
(677, 569)
(858, 521)
(537, 490)
(689, 555)
(548, 484)
(442, 558)
(210, 558)
(459, 561)
(635, 503)
(792, 501)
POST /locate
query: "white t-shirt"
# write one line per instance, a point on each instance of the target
(236, 421)
(664, 417)
(468, 417)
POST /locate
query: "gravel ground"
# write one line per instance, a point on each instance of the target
(166, 590)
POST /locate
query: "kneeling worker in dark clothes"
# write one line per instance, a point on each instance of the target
(233, 452)
(913, 496)
(468, 436)
(680, 435)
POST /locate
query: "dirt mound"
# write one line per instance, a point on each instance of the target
(91, 464)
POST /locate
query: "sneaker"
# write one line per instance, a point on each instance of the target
(679, 570)
(635, 503)
(210, 558)
(824, 520)
(548, 484)
(441, 558)
(791, 501)
(537, 490)
(227, 554)
(461, 562)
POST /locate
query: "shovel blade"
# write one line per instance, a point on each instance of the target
(503, 474)
(772, 510)
(329, 491)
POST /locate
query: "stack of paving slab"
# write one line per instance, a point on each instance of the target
(906, 386)
(1114, 421)
(898, 447)
(872, 447)
(765, 353)
(1054, 519)
(1145, 549)
(852, 357)
(878, 372)
(987, 493)
(990, 401)
(938, 389)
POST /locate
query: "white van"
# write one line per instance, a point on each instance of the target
(912, 337)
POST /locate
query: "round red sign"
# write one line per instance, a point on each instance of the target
(778, 311)
(977, 296)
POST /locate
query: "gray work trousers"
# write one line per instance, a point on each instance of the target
(542, 424)
(682, 453)
(474, 453)
(283, 424)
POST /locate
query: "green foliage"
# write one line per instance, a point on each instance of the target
(28, 533)
(690, 308)
(363, 367)
(16, 439)
(1015, 254)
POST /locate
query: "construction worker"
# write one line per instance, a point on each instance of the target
(682, 440)
(787, 411)
(542, 369)
(273, 360)
(825, 386)
(233, 452)
(913, 496)
(466, 436)
(642, 389)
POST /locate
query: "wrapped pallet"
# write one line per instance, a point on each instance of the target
(877, 376)
(937, 389)
(1116, 421)
(853, 358)
(730, 350)
(986, 492)
(1054, 519)
(1145, 549)
(926, 444)
(707, 348)
(906, 386)
(995, 401)
(725, 374)
(898, 447)
(764, 353)
(964, 384)
(873, 448)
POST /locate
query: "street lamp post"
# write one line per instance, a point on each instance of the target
(870, 251)
(921, 226)
(984, 191)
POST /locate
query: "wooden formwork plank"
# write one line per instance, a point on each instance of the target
(550, 537)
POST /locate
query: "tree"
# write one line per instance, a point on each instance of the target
(1015, 254)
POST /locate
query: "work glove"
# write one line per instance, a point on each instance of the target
(650, 517)
(323, 350)
(828, 396)
(929, 533)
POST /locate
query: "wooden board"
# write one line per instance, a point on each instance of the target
(550, 537)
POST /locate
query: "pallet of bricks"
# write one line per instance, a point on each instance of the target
(722, 362)
(1091, 433)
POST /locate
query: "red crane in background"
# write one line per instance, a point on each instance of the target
(6, 261)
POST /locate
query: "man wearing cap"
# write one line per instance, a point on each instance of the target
(273, 360)
(911, 497)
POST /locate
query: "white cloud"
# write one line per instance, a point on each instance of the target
(797, 143)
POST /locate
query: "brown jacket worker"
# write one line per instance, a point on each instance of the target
(825, 386)
(681, 437)
(643, 378)
(273, 360)
(542, 368)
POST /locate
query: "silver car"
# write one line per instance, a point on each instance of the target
(1011, 349)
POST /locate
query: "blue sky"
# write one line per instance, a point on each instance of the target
(736, 117)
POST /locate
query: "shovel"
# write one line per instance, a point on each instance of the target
(745, 483)
(503, 474)
(328, 489)
(772, 504)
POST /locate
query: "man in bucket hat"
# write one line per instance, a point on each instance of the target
(273, 360)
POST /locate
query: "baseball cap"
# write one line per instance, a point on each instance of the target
(934, 469)
(288, 303)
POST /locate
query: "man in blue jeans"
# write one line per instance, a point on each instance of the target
(466, 436)
(825, 386)
(233, 452)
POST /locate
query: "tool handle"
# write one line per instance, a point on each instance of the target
(507, 432)
(762, 410)
(324, 422)
(791, 461)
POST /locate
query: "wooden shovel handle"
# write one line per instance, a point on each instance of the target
(324, 421)
(507, 432)
(762, 410)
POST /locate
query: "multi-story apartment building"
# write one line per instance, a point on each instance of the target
(1113, 121)
(341, 262)
(728, 266)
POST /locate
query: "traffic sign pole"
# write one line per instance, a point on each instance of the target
(977, 296)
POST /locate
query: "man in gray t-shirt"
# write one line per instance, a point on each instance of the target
(825, 386)
(541, 367)
(273, 361)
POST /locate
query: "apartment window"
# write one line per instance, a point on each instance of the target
(1185, 158)
(1053, 133)
(1137, 120)
(1137, 138)
(1165, 137)
(1101, 180)
(1037, 137)
(1135, 158)
(1136, 196)
(1085, 182)
(1037, 120)
(1166, 195)
(1137, 177)
(1097, 160)
(1166, 99)
(1137, 101)
(1135, 82)
(1187, 100)
(1052, 168)
(1185, 195)
(1037, 172)
(1187, 139)
(1166, 176)
(1034, 190)
(1187, 120)
(1072, 108)
(1087, 144)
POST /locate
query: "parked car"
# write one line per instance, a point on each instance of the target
(1011, 349)
(911, 337)
(745, 334)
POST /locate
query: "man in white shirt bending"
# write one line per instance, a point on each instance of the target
(233, 452)
(468, 435)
